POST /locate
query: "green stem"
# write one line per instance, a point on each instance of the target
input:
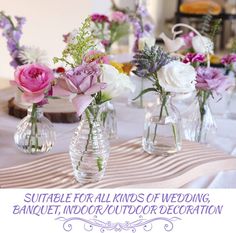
(163, 102)
(33, 138)
(202, 98)
(173, 127)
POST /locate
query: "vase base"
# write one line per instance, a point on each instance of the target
(160, 149)
(86, 178)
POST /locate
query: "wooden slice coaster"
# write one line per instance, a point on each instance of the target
(53, 116)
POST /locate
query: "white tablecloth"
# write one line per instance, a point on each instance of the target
(130, 125)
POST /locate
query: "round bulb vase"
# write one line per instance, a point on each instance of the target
(35, 134)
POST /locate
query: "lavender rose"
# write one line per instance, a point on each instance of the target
(213, 80)
(80, 83)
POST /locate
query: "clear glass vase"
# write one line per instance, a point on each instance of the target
(162, 128)
(198, 122)
(108, 118)
(89, 147)
(35, 133)
(231, 102)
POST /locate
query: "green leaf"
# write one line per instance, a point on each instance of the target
(99, 163)
(54, 97)
(145, 91)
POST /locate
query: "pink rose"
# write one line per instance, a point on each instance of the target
(81, 82)
(34, 80)
(118, 17)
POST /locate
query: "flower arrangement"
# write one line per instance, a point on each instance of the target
(141, 22)
(89, 74)
(142, 26)
(35, 82)
(89, 81)
(12, 31)
(210, 81)
(108, 30)
(168, 75)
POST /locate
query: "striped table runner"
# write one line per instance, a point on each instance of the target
(128, 167)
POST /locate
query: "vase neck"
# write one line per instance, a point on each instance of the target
(92, 113)
(35, 111)
(163, 98)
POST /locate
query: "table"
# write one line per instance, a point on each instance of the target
(130, 125)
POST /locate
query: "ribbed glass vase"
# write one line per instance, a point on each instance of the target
(35, 133)
(89, 147)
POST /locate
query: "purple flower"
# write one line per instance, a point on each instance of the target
(213, 80)
(20, 21)
(194, 57)
(142, 11)
(82, 81)
(99, 18)
(229, 59)
(13, 34)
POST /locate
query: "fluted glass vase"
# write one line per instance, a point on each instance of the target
(89, 147)
(198, 122)
(162, 128)
(35, 133)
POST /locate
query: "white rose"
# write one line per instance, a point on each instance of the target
(177, 77)
(202, 44)
(149, 41)
(118, 84)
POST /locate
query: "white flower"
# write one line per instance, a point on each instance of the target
(177, 77)
(30, 55)
(118, 84)
(202, 44)
(149, 41)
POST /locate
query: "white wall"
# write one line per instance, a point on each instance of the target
(47, 20)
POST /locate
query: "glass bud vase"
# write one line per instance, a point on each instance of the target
(89, 147)
(162, 128)
(35, 133)
(198, 122)
(108, 118)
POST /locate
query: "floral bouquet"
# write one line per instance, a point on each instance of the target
(89, 82)
(109, 30)
(34, 133)
(167, 75)
(142, 26)
(209, 82)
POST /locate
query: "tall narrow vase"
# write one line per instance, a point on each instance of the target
(35, 133)
(162, 129)
(89, 147)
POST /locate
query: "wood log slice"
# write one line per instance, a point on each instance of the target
(53, 116)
